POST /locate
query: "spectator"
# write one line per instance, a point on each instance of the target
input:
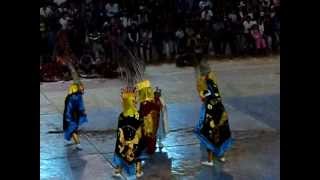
(260, 43)
(218, 29)
(133, 38)
(229, 37)
(145, 44)
(247, 25)
(65, 26)
(205, 4)
(180, 40)
(64, 20)
(206, 14)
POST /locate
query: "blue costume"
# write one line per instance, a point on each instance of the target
(74, 114)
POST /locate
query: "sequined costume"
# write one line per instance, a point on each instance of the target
(212, 128)
(128, 144)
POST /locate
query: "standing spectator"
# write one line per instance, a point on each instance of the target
(157, 39)
(267, 25)
(260, 43)
(145, 44)
(247, 25)
(205, 3)
(218, 29)
(64, 21)
(43, 36)
(180, 40)
(275, 29)
(133, 38)
(229, 36)
(206, 14)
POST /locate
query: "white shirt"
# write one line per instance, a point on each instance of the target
(241, 14)
(207, 15)
(247, 25)
(233, 17)
(180, 34)
(42, 13)
(115, 8)
(261, 28)
(64, 23)
(203, 4)
(125, 21)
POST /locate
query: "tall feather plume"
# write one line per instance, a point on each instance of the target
(131, 67)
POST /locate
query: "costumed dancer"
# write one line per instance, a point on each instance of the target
(212, 128)
(128, 144)
(163, 127)
(154, 114)
(74, 111)
(129, 132)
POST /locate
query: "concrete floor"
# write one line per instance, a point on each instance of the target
(251, 94)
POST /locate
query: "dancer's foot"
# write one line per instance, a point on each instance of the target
(79, 147)
(207, 163)
(161, 145)
(139, 174)
(222, 159)
(68, 142)
(117, 172)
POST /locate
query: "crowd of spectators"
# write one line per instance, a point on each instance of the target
(88, 31)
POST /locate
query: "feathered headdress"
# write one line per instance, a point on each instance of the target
(131, 67)
(128, 98)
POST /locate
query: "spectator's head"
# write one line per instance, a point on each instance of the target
(248, 18)
(255, 27)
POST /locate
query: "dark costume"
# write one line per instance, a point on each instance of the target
(128, 145)
(212, 128)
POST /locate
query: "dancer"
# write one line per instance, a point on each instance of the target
(128, 144)
(149, 111)
(163, 127)
(129, 131)
(212, 128)
(74, 111)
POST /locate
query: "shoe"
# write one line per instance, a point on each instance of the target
(139, 174)
(79, 147)
(116, 174)
(207, 163)
(161, 145)
(68, 142)
(222, 159)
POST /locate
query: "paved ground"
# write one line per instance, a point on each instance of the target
(251, 93)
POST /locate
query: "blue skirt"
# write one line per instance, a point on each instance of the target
(218, 151)
(130, 169)
(73, 126)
